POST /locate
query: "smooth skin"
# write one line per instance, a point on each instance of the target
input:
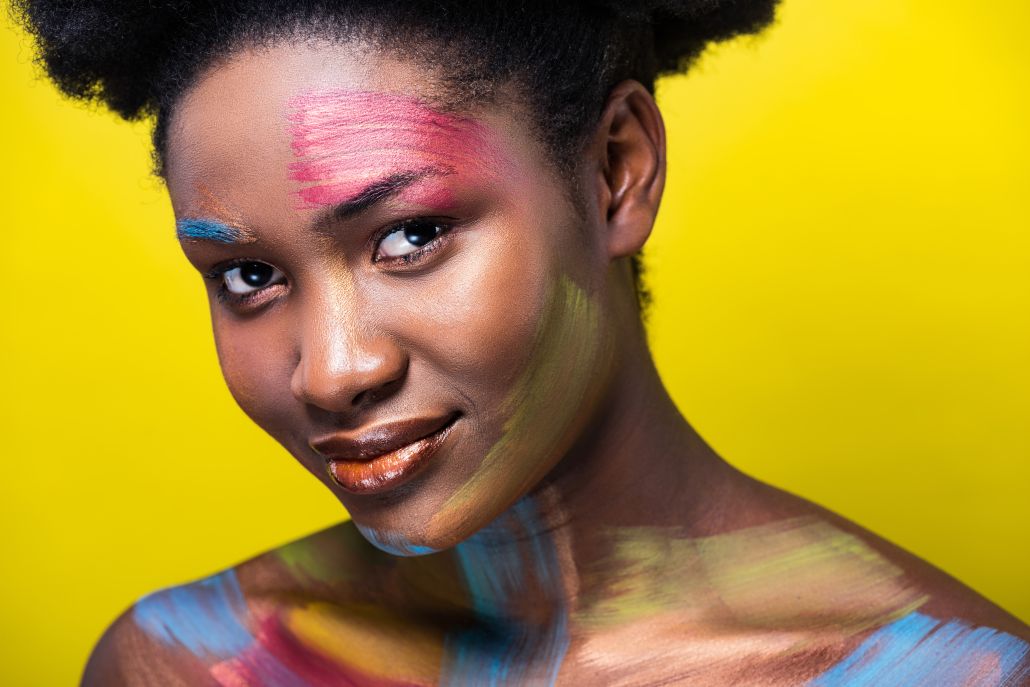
(345, 342)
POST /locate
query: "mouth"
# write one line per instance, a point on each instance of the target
(384, 457)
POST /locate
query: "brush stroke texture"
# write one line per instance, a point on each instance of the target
(496, 573)
(344, 140)
(921, 650)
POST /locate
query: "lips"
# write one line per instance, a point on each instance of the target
(383, 457)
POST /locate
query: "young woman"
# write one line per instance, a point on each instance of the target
(418, 223)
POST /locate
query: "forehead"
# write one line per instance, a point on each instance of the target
(317, 121)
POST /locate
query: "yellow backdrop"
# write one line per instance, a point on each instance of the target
(842, 282)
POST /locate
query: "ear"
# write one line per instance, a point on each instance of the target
(629, 145)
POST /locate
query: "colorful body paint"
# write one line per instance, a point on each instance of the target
(209, 620)
(499, 566)
(776, 601)
(361, 645)
(763, 600)
(203, 618)
(293, 646)
(346, 140)
(920, 650)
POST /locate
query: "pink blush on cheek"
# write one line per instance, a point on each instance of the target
(344, 140)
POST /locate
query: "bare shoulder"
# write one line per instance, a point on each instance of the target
(884, 615)
(127, 655)
(941, 594)
(200, 633)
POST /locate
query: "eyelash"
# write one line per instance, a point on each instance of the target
(223, 294)
(416, 255)
(244, 299)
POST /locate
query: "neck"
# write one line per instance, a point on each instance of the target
(637, 465)
(630, 537)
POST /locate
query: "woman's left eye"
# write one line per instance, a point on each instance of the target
(408, 238)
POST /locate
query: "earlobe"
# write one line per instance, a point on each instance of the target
(631, 176)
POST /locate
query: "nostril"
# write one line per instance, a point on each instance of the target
(369, 396)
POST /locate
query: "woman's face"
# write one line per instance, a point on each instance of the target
(405, 298)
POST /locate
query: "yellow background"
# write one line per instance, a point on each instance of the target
(842, 282)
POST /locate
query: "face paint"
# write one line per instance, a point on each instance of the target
(393, 543)
(539, 410)
(229, 228)
(345, 140)
(207, 230)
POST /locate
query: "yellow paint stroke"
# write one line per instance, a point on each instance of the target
(806, 573)
(369, 639)
(770, 600)
(540, 407)
(799, 572)
(333, 555)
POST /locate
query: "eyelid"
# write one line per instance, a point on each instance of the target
(446, 224)
(241, 300)
(221, 268)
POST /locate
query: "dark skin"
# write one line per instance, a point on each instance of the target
(343, 342)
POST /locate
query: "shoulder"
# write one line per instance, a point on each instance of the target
(921, 626)
(942, 594)
(127, 655)
(190, 633)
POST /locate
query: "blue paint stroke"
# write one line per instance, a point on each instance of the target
(203, 617)
(393, 543)
(500, 652)
(921, 650)
(207, 230)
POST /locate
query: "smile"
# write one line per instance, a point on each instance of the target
(384, 457)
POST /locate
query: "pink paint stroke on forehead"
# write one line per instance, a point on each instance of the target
(347, 139)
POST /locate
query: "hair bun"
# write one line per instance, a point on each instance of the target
(107, 50)
(682, 29)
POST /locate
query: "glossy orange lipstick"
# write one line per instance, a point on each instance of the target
(385, 456)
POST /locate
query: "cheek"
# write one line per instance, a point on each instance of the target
(526, 340)
(482, 313)
(253, 362)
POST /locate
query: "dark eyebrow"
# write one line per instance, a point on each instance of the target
(376, 192)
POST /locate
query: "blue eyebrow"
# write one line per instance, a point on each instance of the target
(207, 230)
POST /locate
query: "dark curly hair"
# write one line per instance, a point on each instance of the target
(138, 57)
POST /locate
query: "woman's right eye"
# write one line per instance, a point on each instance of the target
(249, 277)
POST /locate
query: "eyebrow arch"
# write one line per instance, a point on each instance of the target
(377, 191)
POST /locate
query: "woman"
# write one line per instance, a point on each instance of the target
(418, 225)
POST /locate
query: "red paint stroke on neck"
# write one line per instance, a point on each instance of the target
(346, 139)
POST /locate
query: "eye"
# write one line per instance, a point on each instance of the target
(408, 238)
(249, 277)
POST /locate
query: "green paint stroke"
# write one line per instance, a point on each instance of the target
(329, 556)
(540, 409)
(796, 573)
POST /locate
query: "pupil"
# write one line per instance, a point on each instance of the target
(256, 273)
(420, 234)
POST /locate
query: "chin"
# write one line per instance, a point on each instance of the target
(394, 543)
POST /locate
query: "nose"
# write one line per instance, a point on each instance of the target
(345, 363)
